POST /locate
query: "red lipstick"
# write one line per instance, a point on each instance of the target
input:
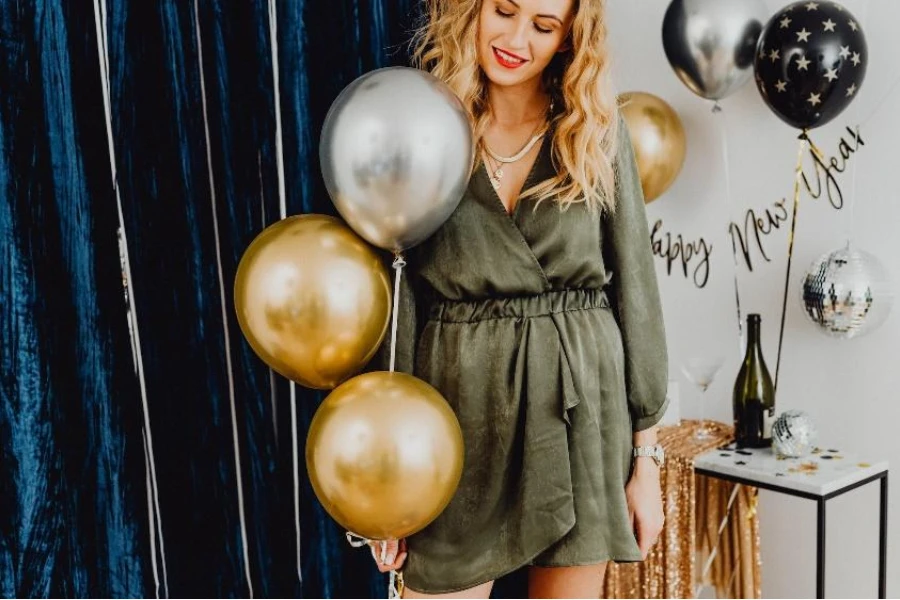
(508, 59)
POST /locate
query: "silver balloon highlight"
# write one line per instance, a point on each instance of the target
(847, 293)
(711, 44)
(396, 153)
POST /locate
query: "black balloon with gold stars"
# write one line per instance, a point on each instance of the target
(810, 62)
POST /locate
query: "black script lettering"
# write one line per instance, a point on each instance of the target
(831, 186)
(758, 227)
(672, 249)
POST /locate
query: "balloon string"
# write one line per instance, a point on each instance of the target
(395, 585)
(395, 582)
(798, 174)
(882, 102)
(398, 265)
(864, 22)
(723, 130)
(852, 198)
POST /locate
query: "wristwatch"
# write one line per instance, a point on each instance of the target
(655, 452)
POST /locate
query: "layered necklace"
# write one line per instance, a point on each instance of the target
(495, 170)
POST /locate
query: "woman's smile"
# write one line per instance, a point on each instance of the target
(508, 59)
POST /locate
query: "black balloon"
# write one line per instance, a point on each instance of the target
(810, 62)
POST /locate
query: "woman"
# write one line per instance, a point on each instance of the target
(535, 311)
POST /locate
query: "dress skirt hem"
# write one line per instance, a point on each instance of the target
(507, 570)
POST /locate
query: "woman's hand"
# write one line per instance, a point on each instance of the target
(389, 555)
(645, 507)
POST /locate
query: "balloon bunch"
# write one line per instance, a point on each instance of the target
(384, 451)
(809, 62)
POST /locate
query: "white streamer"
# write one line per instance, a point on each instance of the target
(295, 457)
(282, 206)
(131, 306)
(151, 516)
(715, 548)
(228, 364)
(273, 391)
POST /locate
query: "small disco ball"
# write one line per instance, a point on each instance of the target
(793, 434)
(847, 293)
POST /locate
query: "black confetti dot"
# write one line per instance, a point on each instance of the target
(745, 452)
(779, 474)
(834, 451)
(826, 457)
(725, 454)
(739, 462)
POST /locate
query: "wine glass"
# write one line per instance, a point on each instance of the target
(701, 371)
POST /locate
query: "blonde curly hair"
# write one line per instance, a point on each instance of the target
(585, 117)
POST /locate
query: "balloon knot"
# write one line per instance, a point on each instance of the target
(399, 261)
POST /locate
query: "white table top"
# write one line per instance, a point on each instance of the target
(825, 470)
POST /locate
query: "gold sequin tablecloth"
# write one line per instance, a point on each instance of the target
(695, 507)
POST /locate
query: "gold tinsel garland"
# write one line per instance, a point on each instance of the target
(695, 507)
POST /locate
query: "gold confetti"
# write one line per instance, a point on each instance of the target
(809, 468)
(864, 465)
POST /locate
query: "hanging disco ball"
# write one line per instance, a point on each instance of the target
(847, 293)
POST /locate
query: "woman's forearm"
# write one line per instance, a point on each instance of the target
(647, 437)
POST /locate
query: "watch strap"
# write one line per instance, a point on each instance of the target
(656, 452)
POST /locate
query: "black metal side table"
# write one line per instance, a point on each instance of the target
(821, 476)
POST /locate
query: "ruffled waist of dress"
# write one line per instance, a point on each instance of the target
(518, 307)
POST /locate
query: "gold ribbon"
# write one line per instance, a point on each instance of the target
(798, 176)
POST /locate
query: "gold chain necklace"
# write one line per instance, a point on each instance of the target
(495, 174)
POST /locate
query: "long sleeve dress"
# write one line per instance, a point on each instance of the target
(543, 330)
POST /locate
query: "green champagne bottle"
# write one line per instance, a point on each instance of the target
(754, 394)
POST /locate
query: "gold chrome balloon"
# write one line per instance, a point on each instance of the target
(384, 454)
(658, 139)
(313, 299)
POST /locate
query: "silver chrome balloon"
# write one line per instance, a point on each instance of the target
(711, 44)
(847, 293)
(396, 153)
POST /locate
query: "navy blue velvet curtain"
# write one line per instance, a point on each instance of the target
(167, 470)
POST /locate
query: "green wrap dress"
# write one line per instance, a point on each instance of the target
(543, 330)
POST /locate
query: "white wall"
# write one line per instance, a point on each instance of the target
(851, 388)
